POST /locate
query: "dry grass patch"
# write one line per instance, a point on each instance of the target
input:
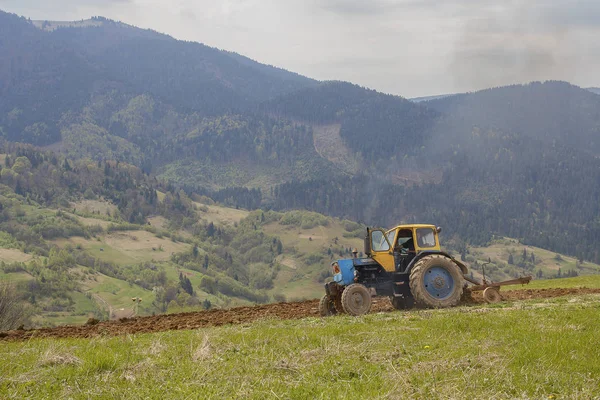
(158, 222)
(124, 247)
(14, 255)
(203, 351)
(330, 145)
(287, 261)
(144, 245)
(221, 215)
(94, 206)
(55, 355)
(93, 221)
(157, 347)
(141, 368)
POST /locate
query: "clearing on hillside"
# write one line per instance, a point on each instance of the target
(330, 145)
(14, 255)
(125, 247)
(102, 207)
(221, 215)
(93, 221)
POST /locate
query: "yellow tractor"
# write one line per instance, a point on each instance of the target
(405, 263)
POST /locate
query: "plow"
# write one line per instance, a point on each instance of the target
(491, 290)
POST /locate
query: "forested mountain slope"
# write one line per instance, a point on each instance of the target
(469, 174)
(375, 125)
(109, 91)
(518, 161)
(550, 111)
(47, 74)
(497, 185)
(188, 75)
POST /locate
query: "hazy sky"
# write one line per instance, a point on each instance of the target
(405, 47)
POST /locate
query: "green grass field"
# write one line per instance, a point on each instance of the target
(542, 349)
(587, 281)
(127, 247)
(84, 309)
(297, 280)
(119, 293)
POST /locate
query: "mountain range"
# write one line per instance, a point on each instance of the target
(519, 161)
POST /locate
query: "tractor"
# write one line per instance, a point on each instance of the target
(405, 264)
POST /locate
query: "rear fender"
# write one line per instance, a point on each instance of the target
(463, 267)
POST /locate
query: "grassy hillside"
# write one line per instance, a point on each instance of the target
(105, 262)
(309, 242)
(468, 352)
(526, 260)
(80, 239)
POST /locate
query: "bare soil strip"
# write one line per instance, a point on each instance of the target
(240, 315)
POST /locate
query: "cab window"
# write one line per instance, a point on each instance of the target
(425, 237)
(379, 241)
(405, 239)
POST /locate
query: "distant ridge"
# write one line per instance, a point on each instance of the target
(53, 25)
(595, 90)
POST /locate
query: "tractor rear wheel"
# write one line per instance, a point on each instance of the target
(327, 306)
(436, 282)
(356, 299)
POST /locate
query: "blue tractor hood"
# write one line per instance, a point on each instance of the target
(346, 275)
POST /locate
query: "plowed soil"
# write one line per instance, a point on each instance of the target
(240, 315)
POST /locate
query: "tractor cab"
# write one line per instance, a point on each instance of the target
(396, 248)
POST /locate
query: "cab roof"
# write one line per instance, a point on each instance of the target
(411, 226)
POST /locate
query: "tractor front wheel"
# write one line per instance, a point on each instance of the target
(337, 301)
(327, 306)
(436, 282)
(356, 300)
